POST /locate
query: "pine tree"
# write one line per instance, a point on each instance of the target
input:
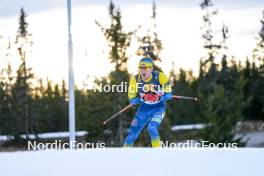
(59, 107)
(118, 42)
(2, 95)
(22, 88)
(39, 106)
(256, 77)
(208, 64)
(183, 111)
(151, 40)
(221, 89)
(7, 115)
(258, 52)
(222, 113)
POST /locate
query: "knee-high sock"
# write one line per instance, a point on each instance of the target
(154, 134)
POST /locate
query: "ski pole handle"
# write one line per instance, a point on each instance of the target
(185, 98)
(118, 113)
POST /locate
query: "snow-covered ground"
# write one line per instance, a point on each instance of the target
(134, 162)
(50, 135)
(188, 127)
(254, 139)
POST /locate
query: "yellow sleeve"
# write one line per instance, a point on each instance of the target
(164, 81)
(132, 89)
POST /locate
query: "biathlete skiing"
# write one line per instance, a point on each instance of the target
(150, 89)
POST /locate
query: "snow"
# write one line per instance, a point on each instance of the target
(188, 127)
(58, 134)
(253, 139)
(51, 135)
(3, 138)
(134, 162)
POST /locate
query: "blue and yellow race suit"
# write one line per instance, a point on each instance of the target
(150, 114)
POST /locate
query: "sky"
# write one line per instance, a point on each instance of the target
(178, 26)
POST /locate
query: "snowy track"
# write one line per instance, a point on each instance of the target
(134, 162)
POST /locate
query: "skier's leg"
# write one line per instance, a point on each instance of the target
(153, 127)
(136, 127)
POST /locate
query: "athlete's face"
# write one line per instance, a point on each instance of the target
(145, 72)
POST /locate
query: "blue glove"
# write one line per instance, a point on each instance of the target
(166, 96)
(135, 101)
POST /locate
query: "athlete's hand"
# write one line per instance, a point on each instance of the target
(135, 101)
(166, 96)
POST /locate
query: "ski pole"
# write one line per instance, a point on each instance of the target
(118, 113)
(185, 98)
